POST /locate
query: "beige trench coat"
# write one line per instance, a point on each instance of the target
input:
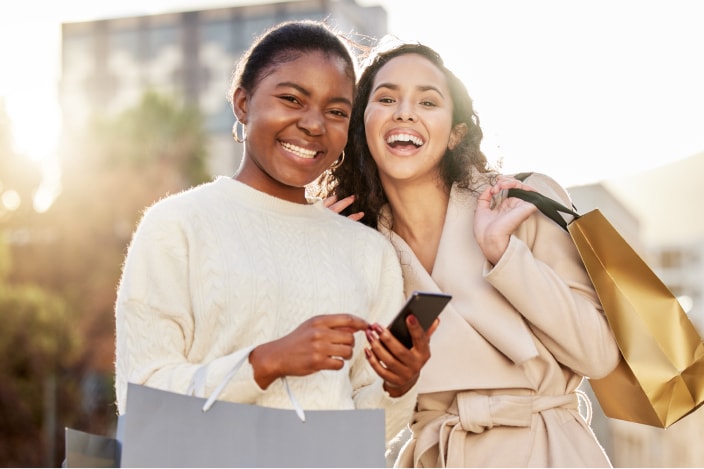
(513, 345)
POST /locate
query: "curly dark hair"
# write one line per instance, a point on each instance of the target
(359, 174)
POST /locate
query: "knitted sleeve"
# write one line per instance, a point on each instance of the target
(155, 325)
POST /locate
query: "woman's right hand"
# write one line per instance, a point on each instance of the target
(320, 343)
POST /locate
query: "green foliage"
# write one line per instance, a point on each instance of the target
(39, 325)
(37, 344)
(156, 131)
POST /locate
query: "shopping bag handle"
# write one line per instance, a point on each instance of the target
(197, 384)
(550, 207)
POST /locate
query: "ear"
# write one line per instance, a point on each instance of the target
(240, 104)
(456, 135)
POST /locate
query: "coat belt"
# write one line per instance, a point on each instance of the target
(472, 412)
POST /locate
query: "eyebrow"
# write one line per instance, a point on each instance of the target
(394, 87)
(304, 91)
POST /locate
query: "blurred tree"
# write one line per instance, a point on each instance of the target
(110, 174)
(38, 345)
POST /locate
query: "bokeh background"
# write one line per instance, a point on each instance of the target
(107, 106)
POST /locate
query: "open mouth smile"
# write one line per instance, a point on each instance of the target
(397, 140)
(299, 151)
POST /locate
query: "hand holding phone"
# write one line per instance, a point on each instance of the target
(425, 306)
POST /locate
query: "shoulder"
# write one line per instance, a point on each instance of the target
(358, 229)
(176, 208)
(358, 235)
(181, 200)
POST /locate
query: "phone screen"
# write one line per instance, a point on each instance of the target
(425, 306)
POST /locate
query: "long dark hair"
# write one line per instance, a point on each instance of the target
(359, 175)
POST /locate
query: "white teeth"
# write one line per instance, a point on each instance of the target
(302, 152)
(405, 138)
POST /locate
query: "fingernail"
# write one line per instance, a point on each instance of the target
(412, 319)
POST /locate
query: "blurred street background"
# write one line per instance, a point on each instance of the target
(107, 107)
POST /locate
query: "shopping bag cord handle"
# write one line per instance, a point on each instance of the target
(550, 207)
(243, 355)
(296, 406)
(199, 379)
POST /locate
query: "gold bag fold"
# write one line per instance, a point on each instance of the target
(661, 376)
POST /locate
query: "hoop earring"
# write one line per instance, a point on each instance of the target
(338, 162)
(239, 135)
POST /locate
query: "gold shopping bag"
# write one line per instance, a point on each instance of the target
(660, 378)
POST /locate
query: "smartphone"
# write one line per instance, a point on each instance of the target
(425, 306)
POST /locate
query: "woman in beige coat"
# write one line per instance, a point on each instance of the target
(524, 326)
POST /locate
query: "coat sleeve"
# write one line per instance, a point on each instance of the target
(556, 297)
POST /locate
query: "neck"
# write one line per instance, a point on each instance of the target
(418, 209)
(272, 187)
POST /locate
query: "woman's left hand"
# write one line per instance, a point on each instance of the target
(338, 206)
(397, 365)
(494, 223)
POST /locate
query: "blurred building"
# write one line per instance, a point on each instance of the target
(592, 196)
(108, 64)
(679, 263)
(681, 268)
(667, 200)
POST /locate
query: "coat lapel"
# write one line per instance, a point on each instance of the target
(478, 322)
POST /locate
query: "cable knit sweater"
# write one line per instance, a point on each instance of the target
(215, 270)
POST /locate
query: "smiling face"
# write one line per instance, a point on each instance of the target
(408, 119)
(296, 120)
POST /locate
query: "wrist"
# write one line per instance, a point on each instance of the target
(395, 390)
(263, 369)
(495, 249)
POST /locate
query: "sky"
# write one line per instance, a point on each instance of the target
(581, 90)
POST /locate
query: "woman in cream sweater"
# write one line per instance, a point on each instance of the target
(249, 266)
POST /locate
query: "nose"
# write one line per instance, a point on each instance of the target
(312, 122)
(404, 113)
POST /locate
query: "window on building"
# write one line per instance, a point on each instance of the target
(671, 258)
